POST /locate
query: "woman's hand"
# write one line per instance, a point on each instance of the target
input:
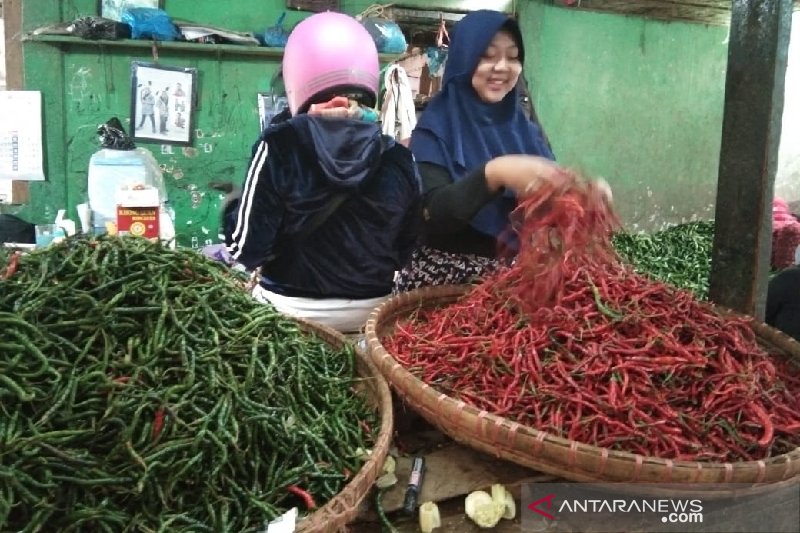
(524, 173)
(520, 173)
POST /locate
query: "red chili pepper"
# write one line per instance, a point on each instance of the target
(764, 418)
(569, 338)
(158, 422)
(13, 264)
(308, 500)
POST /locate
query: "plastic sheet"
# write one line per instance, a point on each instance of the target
(94, 28)
(437, 57)
(274, 36)
(388, 37)
(150, 23)
(112, 135)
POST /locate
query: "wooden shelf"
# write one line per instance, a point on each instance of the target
(178, 46)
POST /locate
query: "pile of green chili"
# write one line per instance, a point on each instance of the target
(679, 255)
(141, 389)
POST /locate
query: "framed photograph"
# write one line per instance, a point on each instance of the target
(162, 103)
(112, 9)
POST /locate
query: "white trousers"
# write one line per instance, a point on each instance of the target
(345, 316)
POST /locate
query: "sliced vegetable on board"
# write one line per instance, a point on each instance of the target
(429, 517)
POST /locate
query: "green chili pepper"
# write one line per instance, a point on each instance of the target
(99, 335)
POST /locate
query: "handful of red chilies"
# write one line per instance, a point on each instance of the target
(571, 341)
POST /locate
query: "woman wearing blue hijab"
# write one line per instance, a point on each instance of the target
(476, 151)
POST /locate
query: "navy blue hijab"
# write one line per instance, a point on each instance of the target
(460, 132)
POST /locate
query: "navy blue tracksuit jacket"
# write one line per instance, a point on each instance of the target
(297, 166)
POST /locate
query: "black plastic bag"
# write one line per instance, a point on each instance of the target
(112, 135)
(100, 28)
(14, 229)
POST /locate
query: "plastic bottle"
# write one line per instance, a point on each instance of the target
(85, 216)
(66, 224)
(109, 170)
(166, 224)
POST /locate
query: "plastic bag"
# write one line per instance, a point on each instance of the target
(112, 135)
(274, 36)
(150, 23)
(100, 28)
(437, 57)
(388, 36)
(785, 242)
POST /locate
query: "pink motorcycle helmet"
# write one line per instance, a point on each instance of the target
(326, 54)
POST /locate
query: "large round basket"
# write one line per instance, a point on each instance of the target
(343, 508)
(543, 451)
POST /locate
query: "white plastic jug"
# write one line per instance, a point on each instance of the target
(111, 169)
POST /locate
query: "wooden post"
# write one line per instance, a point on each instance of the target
(757, 55)
(12, 17)
(19, 191)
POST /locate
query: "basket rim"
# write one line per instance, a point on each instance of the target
(451, 292)
(342, 508)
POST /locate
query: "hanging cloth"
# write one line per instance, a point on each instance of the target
(398, 114)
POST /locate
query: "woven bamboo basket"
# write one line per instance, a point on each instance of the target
(543, 451)
(343, 508)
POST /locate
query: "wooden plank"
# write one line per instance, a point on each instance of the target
(456, 470)
(69, 42)
(702, 11)
(454, 520)
(14, 192)
(12, 19)
(663, 9)
(313, 5)
(754, 92)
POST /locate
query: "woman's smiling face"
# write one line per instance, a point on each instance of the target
(498, 70)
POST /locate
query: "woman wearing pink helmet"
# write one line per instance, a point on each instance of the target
(330, 207)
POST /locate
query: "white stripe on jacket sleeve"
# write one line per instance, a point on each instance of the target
(246, 205)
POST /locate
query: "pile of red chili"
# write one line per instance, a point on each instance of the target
(572, 341)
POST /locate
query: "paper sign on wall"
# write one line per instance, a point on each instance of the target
(21, 135)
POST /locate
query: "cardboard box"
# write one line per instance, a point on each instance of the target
(138, 212)
(14, 192)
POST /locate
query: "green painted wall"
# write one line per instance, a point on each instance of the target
(83, 86)
(635, 101)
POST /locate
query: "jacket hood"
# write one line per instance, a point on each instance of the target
(346, 150)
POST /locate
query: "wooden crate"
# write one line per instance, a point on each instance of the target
(313, 5)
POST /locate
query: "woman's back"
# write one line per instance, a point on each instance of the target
(364, 186)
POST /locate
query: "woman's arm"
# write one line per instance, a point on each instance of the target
(449, 205)
(252, 224)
